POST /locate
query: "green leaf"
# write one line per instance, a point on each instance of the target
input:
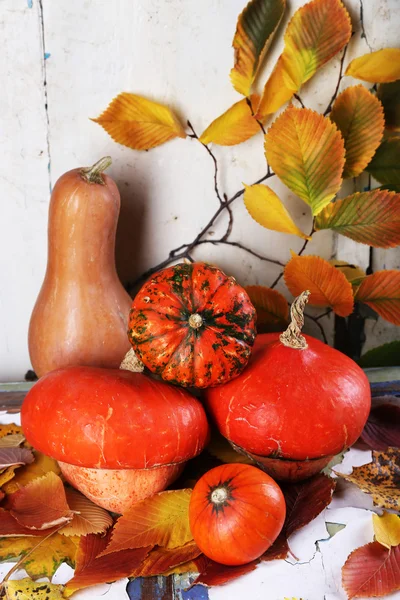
(255, 29)
(387, 355)
(389, 95)
(385, 166)
(371, 218)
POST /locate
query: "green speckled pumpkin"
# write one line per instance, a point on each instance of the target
(193, 325)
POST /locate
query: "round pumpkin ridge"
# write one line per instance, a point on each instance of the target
(193, 325)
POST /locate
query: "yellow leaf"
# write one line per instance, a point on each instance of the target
(306, 151)
(10, 429)
(234, 126)
(162, 559)
(255, 29)
(316, 32)
(26, 589)
(382, 66)
(359, 117)
(88, 517)
(351, 272)
(48, 556)
(6, 475)
(272, 308)
(381, 291)
(161, 520)
(42, 465)
(222, 449)
(387, 529)
(328, 286)
(139, 123)
(267, 209)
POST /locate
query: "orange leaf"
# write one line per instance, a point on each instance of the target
(139, 123)
(372, 570)
(41, 504)
(316, 32)
(371, 218)
(381, 291)
(359, 116)
(212, 573)
(10, 527)
(162, 559)
(328, 286)
(382, 66)
(272, 308)
(306, 151)
(161, 520)
(92, 569)
(255, 29)
(234, 126)
(41, 465)
(11, 455)
(88, 517)
(268, 210)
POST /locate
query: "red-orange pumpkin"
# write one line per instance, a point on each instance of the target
(193, 325)
(236, 512)
(298, 403)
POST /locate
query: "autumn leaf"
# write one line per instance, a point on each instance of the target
(48, 556)
(305, 501)
(353, 273)
(371, 570)
(328, 286)
(41, 466)
(222, 449)
(187, 567)
(234, 126)
(386, 355)
(255, 29)
(272, 308)
(214, 573)
(381, 291)
(12, 455)
(139, 123)
(7, 475)
(161, 520)
(161, 559)
(387, 529)
(9, 527)
(10, 429)
(389, 95)
(41, 504)
(379, 478)
(279, 549)
(87, 516)
(358, 115)
(306, 151)
(371, 218)
(382, 429)
(385, 165)
(26, 589)
(317, 31)
(267, 209)
(382, 66)
(92, 569)
(12, 440)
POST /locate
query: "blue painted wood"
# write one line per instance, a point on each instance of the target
(174, 587)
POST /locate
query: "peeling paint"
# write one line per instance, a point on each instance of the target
(30, 3)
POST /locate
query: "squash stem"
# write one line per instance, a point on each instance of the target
(292, 337)
(94, 174)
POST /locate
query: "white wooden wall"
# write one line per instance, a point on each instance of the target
(62, 61)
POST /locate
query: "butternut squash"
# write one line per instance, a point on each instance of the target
(81, 314)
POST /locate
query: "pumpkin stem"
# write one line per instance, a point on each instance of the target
(195, 321)
(94, 174)
(219, 495)
(292, 336)
(132, 363)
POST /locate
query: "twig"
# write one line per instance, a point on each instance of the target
(316, 321)
(299, 100)
(335, 93)
(324, 314)
(195, 136)
(363, 34)
(242, 247)
(304, 246)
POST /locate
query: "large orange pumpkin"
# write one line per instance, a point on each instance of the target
(236, 512)
(193, 325)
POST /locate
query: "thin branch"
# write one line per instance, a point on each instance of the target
(242, 247)
(316, 321)
(324, 314)
(335, 93)
(363, 34)
(299, 100)
(230, 222)
(304, 246)
(195, 136)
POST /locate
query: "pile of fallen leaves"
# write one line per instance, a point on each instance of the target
(44, 522)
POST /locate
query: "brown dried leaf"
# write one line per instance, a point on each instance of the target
(12, 455)
(382, 429)
(161, 559)
(87, 516)
(278, 550)
(213, 573)
(92, 569)
(380, 478)
(12, 440)
(10, 527)
(42, 464)
(41, 504)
